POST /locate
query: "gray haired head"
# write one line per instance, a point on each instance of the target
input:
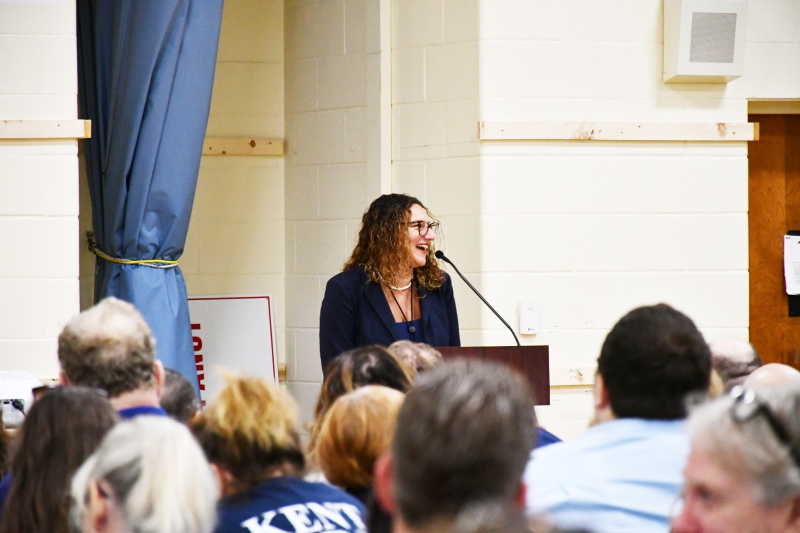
(463, 437)
(156, 474)
(752, 447)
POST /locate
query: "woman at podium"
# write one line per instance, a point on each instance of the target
(391, 288)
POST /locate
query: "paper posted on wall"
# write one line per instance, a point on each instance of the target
(791, 263)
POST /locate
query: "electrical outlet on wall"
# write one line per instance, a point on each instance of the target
(528, 317)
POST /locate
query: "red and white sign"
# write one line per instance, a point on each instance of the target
(235, 333)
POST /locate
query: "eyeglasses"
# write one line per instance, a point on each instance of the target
(424, 227)
(747, 405)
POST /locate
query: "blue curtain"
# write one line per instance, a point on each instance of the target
(146, 68)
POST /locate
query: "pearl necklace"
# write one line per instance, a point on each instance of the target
(411, 328)
(400, 288)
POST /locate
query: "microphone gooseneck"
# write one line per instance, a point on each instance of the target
(440, 255)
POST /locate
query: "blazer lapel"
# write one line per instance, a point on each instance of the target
(424, 309)
(377, 300)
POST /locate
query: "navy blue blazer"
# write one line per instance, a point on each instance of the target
(355, 313)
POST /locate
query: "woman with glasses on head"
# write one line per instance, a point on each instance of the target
(743, 472)
(392, 287)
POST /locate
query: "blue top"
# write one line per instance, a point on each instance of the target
(290, 504)
(133, 412)
(618, 477)
(545, 438)
(5, 486)
(403, 331)
(355, 313)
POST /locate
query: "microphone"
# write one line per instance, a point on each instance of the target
(440, 255)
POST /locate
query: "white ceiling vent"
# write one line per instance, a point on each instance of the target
(704, 40)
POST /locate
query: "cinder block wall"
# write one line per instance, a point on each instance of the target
(588, 230)
(38, 187)
(330, 73)
(435, 152)
(236, 243)
(773, 49)
(602, 228)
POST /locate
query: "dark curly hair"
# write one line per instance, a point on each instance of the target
(383, 243)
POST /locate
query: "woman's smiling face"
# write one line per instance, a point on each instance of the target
(419, 243)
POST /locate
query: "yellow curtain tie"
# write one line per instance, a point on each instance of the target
(151, 263)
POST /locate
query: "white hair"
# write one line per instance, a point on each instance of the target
(158, 476)
(752, 447)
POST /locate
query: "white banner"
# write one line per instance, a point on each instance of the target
(235, 333)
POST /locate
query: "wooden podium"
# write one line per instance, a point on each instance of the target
(533, 362)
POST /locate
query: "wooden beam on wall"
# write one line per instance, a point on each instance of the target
(242, 146)
(617, 131)
(45, 129)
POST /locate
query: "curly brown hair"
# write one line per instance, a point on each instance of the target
(383, 243)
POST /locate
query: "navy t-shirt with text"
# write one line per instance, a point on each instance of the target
(290, 504)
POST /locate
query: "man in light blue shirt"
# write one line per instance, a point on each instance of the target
(623, 475)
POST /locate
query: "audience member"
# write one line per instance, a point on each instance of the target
(463, 436)
(148, 476)
(368, 365)
(5, 449)
(357, 429)
(249, 434)
(416, 355)
(110, 347)
(61, 430)
(624, 473)
(772, 376)
(743, 473)
(179, 398)
(734, 360)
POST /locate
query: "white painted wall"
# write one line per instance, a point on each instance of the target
(332, 161)
(589, 230)
(235, 243)
(435, 142)
(773, 49)
(601, 228)
(38, 187)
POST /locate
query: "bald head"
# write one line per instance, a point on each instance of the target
(734, 360)
(773, 376)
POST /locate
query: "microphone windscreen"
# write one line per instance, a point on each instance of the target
(439, 254)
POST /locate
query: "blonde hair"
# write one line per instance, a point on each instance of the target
(357, 429)
(157, 475)
(251, 430)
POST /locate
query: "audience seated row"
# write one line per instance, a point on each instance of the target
(409, 443)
